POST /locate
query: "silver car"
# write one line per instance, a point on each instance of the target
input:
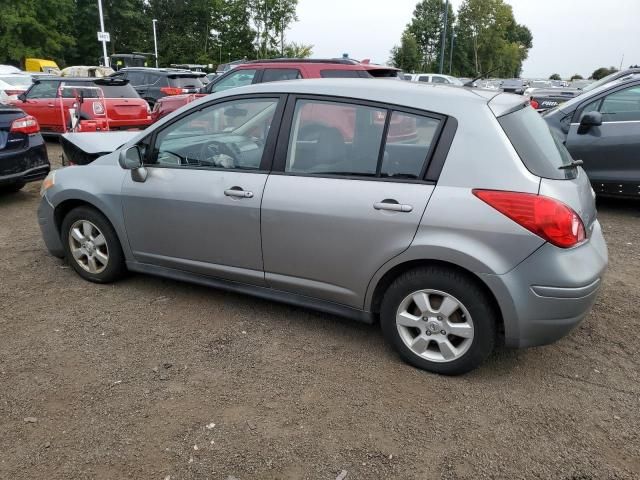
(452, 216)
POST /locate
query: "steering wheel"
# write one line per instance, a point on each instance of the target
(218, 154)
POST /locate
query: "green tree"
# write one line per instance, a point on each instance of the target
(576, 77)
(407, 56)
(234, 40)
(271, 19)
(490, 39)
(35, 28)
(298, 50)
(602, 72)
(555, 76)
(426, 28)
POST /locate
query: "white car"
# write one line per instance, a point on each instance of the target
(435, 78)
(9, 69)
(12, 85)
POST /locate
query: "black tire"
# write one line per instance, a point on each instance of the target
(115, 267)
(13, 187)
(463, 288)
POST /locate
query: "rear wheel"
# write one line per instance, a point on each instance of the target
(439, 320)
(92, 246)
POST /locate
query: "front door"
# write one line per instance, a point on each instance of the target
(348, 197)
(611, 151)
(42, 103)
(199, 208)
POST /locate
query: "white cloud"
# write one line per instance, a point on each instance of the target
(569, 36)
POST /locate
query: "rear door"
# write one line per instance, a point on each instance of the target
(346, 195)
(611, 151)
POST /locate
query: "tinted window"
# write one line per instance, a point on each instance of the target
(277, 74)
(622, 106)
(335, 139)
(344, 74)
(186, 82)
(408, 143)
(137, 78)
(89, 90)
(423, 78)
(439, 80)
(539, 149)
(239, 78)
(231, 135)
(43, 90)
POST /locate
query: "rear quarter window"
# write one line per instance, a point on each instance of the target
(541, 151)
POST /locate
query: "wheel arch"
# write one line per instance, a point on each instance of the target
(394, 272)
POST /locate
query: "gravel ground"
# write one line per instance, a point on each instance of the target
(156, 379)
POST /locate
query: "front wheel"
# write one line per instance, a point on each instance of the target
(439, 320)
(92, 246)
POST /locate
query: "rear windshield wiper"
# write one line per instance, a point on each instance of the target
(574, 164)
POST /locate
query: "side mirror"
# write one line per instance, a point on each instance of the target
(131, 158)
(22, 97)
(588, 120)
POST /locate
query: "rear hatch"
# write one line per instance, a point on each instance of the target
(123, 102)
(545, 156)
(189, 83)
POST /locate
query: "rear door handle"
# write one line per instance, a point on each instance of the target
(392, 206)
(237, 192)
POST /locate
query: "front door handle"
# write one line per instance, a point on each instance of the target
(237, 192)
(392, 206)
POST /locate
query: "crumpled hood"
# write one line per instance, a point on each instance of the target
(99, 142)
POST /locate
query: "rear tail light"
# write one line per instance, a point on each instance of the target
(173, 90)
(550, 219)
(26, 125)
(98, 108)
(13, 92)
(534, 104)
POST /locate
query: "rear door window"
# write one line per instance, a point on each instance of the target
(539, 149)
(423, 78)
(278, 74)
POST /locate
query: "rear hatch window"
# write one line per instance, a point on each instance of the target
(185, 81)
(121, 90)
(539, 149)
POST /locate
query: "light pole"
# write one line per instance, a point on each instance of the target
(104, 41)
(155, 40)
(453, 36)
(444, 35)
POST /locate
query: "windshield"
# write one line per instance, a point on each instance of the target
(538, 147)
(602, 81)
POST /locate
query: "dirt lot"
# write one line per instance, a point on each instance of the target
(128, 380)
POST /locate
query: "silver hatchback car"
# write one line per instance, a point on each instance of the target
(450, 215)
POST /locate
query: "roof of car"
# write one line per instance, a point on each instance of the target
(437, 98)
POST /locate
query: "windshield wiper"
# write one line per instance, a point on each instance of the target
(574, 164)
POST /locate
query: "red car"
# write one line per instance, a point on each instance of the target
(125, 109)
(262, 71)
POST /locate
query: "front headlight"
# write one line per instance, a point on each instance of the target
(48, 182)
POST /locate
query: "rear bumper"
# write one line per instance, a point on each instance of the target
(551, 292)
(25, 165)
(50, 234)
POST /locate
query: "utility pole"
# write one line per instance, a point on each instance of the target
(453, 36)
(444, 35)
(104, 40)
(155, 40)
